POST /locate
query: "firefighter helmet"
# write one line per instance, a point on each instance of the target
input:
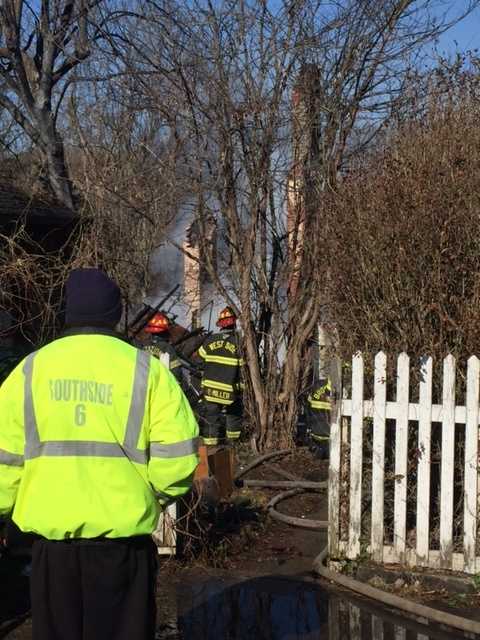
(158, 324)
(226, 318)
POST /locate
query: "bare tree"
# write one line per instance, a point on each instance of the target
(124, 164)
(228, 71)
(41, 43)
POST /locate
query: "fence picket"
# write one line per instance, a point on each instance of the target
(355, 623)
(401, 457)
(423, 472)
(335, 457)
(333, 619)
(402, 411)
(377, 628)
(447, 465)
(471, 466)
(356, 451)
(400, 633)
(378, 465)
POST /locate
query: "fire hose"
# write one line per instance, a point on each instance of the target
(424, 613)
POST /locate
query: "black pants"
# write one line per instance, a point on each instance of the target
(318, 425)
(94, 589)
(218, 421)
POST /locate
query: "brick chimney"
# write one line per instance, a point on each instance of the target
(306, 161)
(195, 276)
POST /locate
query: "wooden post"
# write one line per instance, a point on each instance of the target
(335, 457)
(401, 457)
(377, 628)
(378, 462)
(447, 466)
(471, 466)
(356, 457)
(220, 464)
(424, 462)
(333, 619)
(355, 622)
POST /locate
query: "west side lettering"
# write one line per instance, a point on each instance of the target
(321, 394)
(219, 344)
(81, 391)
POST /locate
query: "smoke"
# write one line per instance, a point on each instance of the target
(166, 268)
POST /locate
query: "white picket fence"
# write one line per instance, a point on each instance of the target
(347, 620)
(350, 427)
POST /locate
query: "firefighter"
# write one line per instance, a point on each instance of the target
(221, 406)
(159, 329)
(96, 438)
(317, 416)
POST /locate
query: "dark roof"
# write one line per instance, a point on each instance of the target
(16, 205)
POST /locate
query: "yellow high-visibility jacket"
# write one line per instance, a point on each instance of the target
(95, 436)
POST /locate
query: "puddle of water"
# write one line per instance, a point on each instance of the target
(261, 608)
(281, 608)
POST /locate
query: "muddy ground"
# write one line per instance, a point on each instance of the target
(237, 540)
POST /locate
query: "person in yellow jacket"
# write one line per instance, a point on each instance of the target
(96, 436)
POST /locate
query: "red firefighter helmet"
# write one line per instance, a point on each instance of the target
(158, 324)
(226, 318)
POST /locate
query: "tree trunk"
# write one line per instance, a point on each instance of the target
(58, 174)
(51, 146)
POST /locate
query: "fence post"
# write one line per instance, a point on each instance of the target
(333, 618)
(377, 628)
(447, 466)
(378, 462)
(401, 457)
(356, 457)
(355, 622)
(424, 461)
(471, 466)
(335, 457)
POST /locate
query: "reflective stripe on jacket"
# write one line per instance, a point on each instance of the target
(157, 347)
(94, 433)
(319, 398)
(221, 373)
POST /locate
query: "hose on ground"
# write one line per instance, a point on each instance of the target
(281, 472)
(304, 523)
(422, 612)
(259, 460)
(392, 600)
(272, 467)
(285, 484)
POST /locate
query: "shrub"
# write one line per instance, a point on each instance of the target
(401, 234)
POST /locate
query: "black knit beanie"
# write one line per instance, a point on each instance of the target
(92, 299)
